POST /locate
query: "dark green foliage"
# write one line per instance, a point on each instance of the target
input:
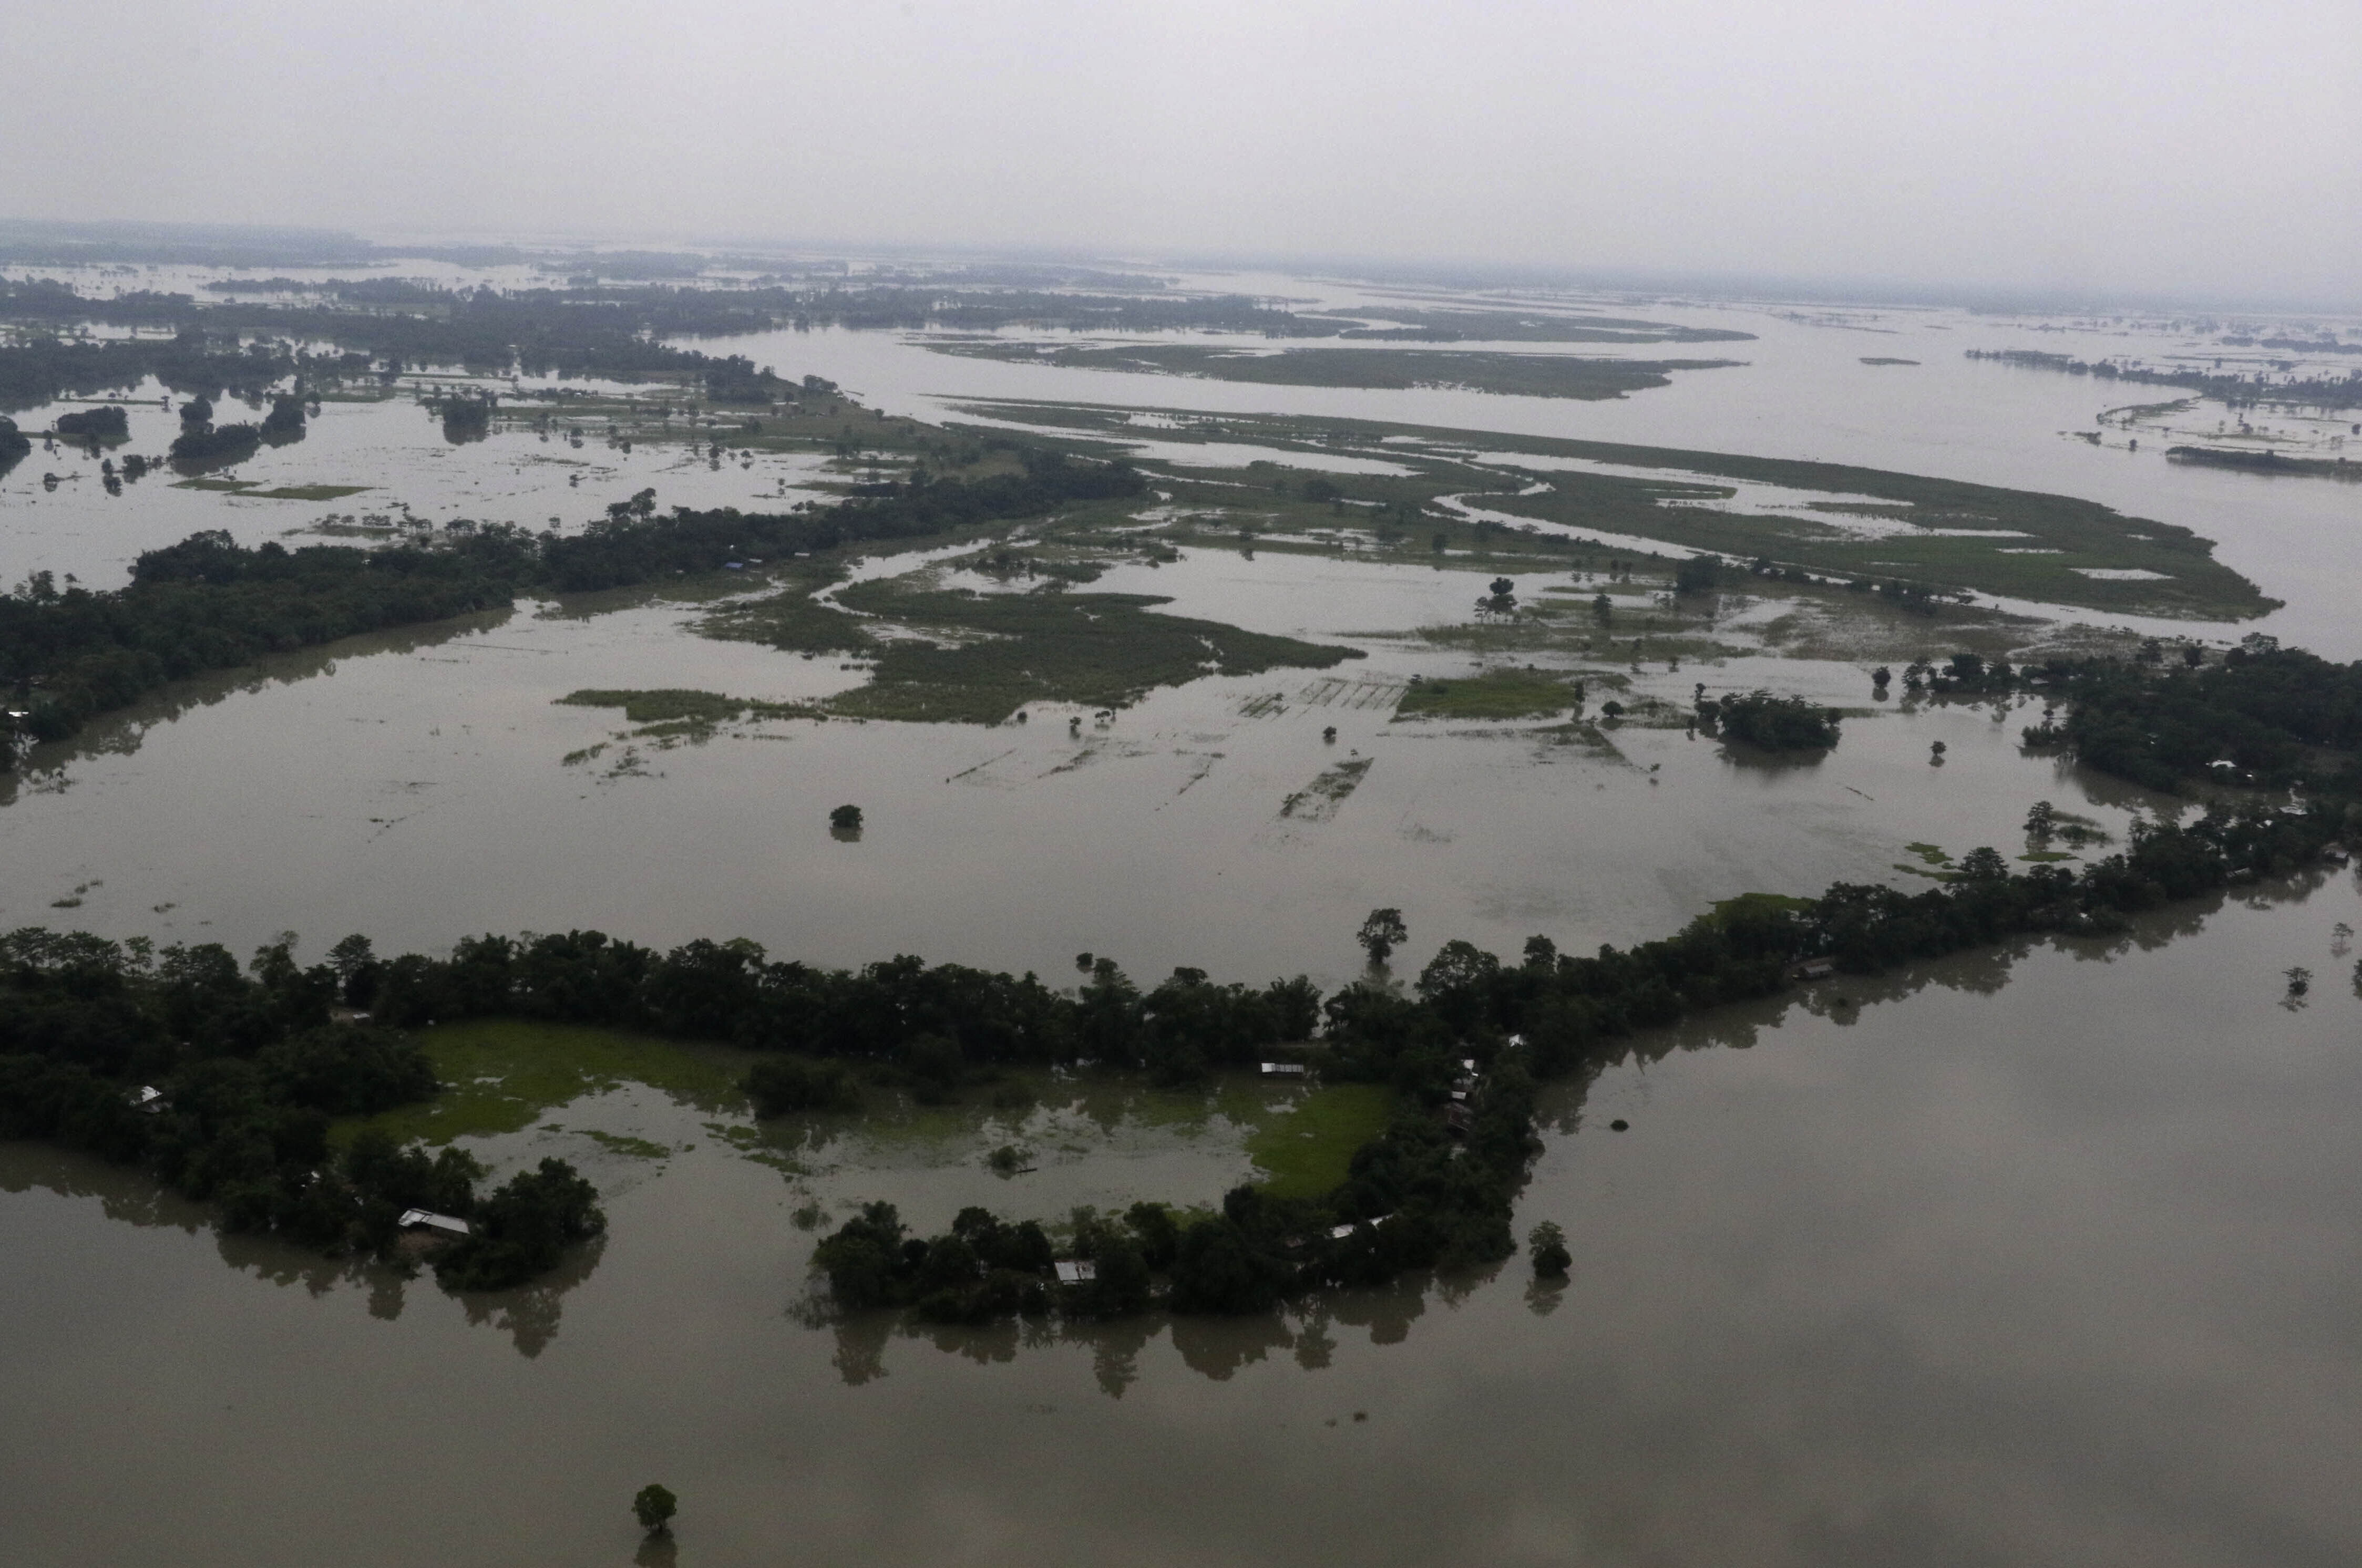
(344, 1069)
(523, 1230)
(1381, 934)
(846, 819)
(1699, 574)
(2270, 713)
(94, 424)
(1773, 723)
(285, 421)
(14, 446)
(980, 1270)
(196, 447)
(466, 418)
(1012, 650)
(1547, 1247)
(653, 1507)
(250, 1071)
(787, 1084)
(617, 551)
(209, 603)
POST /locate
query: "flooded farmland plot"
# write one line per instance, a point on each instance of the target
(1124, 676)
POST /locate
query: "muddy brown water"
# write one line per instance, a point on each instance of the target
(2046, 1256)
(2039, 1256)
(415, 790)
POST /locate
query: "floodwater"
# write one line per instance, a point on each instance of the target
(2034, 1257)
(420, 792)
(1803, 392)
(2041, 1256)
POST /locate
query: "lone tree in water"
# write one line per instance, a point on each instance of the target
(1547, 1247)
(846, 817)
(655, 1507)
(1381, 934)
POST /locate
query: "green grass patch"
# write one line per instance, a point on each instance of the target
(502, 1074)
(1520, 375)
(310, 491)
(1305, 1151)
(1506, 694)
(636, 1148)
(248, 489)
(674, 706)
(1011, 649)
(790, 619)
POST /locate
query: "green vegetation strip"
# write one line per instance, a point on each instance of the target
(674, 705)
(1495, 694)
(1521, 375)
(1002, 651)
(1953, 536)
(502, 1074)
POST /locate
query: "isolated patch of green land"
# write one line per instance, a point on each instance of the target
(502, 1074)
(979, 658)
(2024, 543)
(1522, 375)
(1505, 694)
(1427, 325)
(251, 490)
(673, 705)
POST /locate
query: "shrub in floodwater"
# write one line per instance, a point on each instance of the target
(655, 1507)
(845, 819)
(1547, 1246)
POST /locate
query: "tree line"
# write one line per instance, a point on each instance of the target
(211, 603)
(251, 1068)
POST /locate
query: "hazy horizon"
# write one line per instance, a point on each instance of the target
(2112, 151)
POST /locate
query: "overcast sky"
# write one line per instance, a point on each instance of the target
(2165, 146)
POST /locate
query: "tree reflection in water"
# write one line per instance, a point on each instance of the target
(529, 1313)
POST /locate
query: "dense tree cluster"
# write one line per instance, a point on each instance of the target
(626, 550)
(110, 423)
(936, 1025)
(223, 1083)
(194, 361)
(214, 446)
(1771, 724)
(2264, 714)
(210, 604)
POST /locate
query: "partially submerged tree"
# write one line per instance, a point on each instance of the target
(1381, 934)
(654, 1507)
(1547, 1247)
